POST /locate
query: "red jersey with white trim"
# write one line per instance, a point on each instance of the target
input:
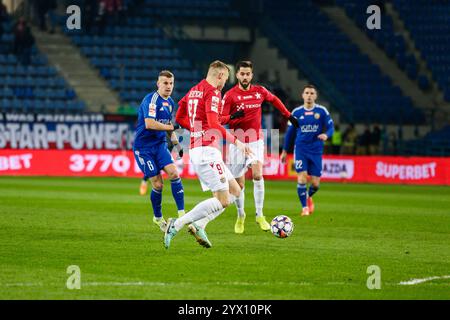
(202, 100)
(250, 101)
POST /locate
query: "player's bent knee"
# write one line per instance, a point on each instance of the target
(235, 192)
(224, 201)
(158, 186)
(302, 178)
(315, 182)
(172, 172)
(235, 188)
(173, 175)
(223, 197)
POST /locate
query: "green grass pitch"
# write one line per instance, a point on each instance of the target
(103, 226)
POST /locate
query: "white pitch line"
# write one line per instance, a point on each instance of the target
(418, 281)
(229, 283)
(157, 284)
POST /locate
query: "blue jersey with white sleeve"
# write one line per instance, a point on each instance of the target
(153, 106)
(312, 123)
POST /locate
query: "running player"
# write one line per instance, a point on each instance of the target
(314, 119)
(199, 112)
(247, 98)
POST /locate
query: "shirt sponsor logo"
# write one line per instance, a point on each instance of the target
(252, 106)
(309, 128)
(164, 121)
(406, 172)
(338, 169)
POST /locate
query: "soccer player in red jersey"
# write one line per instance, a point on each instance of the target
(242, 111)
(199, 112)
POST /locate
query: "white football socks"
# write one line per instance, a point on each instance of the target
(239, 202)
(258, 193)
(210, 217)
(200, 211)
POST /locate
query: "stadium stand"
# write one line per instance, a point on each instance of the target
(203, 9)
(129, 56)
(370, 95)
(430, 30)
(393, 44)
(31, 86)
(435, 143)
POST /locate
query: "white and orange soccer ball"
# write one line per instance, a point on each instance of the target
(282, 226)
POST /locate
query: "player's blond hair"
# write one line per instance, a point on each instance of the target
(166, 73)
(215, 67)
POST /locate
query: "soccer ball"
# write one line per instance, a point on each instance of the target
(282, 226)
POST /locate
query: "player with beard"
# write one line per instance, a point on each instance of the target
(242, 112)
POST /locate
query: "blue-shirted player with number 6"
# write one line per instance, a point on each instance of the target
(315, 127)
(150, 146)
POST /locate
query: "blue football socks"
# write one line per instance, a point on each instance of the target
(178, 193)
(301, 191)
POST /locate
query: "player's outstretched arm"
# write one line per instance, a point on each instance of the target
(277, 103)
(224, 119)
(213, 123)
(289, 138)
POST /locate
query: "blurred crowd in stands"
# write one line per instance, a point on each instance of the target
(3, 17)
(97, 14)
(23, 41)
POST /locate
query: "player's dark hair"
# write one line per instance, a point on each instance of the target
(310, 86)
(166, 73)
(244, 64)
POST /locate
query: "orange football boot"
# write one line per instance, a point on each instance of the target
(310, 203)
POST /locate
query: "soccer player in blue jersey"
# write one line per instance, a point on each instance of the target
(315, 127)
(150, 145)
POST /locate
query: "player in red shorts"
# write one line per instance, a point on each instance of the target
(242, 112)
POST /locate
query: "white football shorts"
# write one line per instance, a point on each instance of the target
(210, 168)
(238, 163)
